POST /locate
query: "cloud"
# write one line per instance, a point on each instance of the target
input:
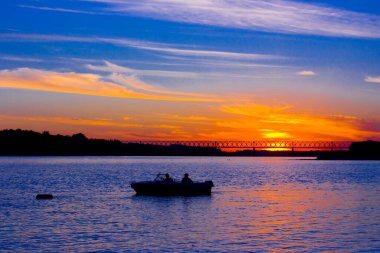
(279, 122)
(43, 8)
(118, 76)
(306, 73)
(85, 122)
(75, 121)
(138, 85)
(163, 126)
(253, 109)
(172, 49)
(280, 16)
(113, 68)
(20, 59)
(223, 63)
(110, 67)
(209, 53)
(373, 79)
(115, 85)
(191, 118)
(371, 125)
(186, 119)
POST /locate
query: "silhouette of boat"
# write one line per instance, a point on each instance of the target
(161, 187)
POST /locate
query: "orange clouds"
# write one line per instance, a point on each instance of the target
(91, 84)
(373, 79)
(186, 119)
(222, 119)
(277, 122)
(84, 122)
(306, 73)
(232, 122)
(252, 109)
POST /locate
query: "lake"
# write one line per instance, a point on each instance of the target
(257, 205)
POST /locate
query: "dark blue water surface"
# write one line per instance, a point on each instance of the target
(258, 205)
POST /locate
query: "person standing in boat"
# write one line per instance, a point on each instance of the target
(186, 179)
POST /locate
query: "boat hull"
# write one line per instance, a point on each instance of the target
(172, 188)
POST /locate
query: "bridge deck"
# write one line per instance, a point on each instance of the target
(263, 144)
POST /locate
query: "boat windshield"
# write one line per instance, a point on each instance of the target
(162, 177)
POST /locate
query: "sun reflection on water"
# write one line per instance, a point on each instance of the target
(258, 205)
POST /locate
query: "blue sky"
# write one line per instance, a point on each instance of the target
(315, 58)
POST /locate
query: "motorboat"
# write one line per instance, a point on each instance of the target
(162, 186)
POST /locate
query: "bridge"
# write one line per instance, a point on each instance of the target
(261, 144)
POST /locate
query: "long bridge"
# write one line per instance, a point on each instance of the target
(260, 144)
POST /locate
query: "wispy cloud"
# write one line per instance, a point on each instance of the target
(182, 50)
(43, 8)
(110, 67)
(282, 16)
(165, 48)
(186, 118)
(372, 79)
(85, 122)
(25, 37)
(113, 68)
(222, 63)
(253, 109)
(306, 73)
(136, 84)
(114, 85)
(128, 77)
(20, 59)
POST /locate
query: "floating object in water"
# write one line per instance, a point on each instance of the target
(162, 187)
(44, 196)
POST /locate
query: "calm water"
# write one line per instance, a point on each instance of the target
(258, 205)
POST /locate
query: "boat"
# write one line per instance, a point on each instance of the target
(162, 187)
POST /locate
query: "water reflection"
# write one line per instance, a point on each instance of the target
(290, 216)
(256, 206)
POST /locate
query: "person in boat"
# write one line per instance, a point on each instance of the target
(168, 178)
(186, 179)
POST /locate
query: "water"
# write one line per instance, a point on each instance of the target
(258, 205)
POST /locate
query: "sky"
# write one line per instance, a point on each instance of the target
(192, 70)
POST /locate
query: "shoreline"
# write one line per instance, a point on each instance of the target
(30, 143)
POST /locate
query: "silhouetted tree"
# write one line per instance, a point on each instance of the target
(79, 137)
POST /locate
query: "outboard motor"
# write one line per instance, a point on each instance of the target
(210, 183)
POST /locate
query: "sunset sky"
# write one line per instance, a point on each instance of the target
(192, 70)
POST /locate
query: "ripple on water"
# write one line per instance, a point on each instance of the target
(258, 204)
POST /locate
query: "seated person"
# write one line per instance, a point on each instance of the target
(168, 178)
(186, 179)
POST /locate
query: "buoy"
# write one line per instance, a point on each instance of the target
(44, 196)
